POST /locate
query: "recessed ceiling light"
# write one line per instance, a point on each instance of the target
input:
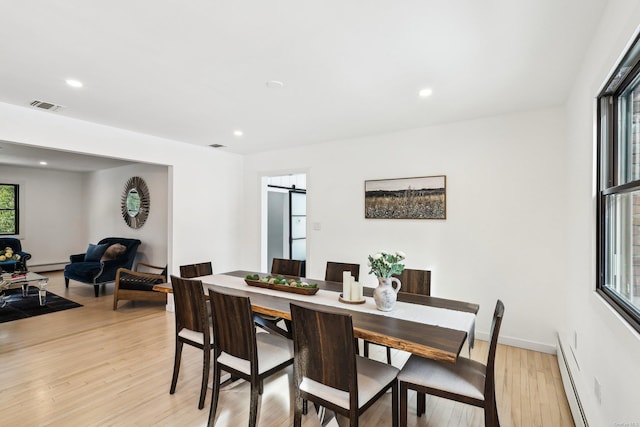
(43, 163)
(74, 83)
(238, 133)
(425, 92)
(274, 84)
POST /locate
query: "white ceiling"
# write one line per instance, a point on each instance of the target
(196, 70)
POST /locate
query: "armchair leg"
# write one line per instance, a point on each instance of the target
(96, 290)
(66, 282)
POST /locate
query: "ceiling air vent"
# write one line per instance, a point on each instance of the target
(216, 145)
(46, 105)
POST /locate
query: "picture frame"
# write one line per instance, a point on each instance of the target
(406, 198)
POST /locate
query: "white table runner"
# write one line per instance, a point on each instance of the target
(442, 317)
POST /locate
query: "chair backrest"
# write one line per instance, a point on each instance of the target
(190, 306)
(10, 242)
(415, 281)
(196, 270)
(287, 267)
(498, 313)
(234, 332)
(130, 254)
(333, 272)
(324, 349)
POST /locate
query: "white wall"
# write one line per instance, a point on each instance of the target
(105, 189)
(205, 185)
(503, 236)
(608, 349)
(53, 212)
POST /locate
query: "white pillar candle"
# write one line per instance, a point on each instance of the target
(356, 290)
(346, 285)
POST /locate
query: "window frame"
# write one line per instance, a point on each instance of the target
(608, 144)
(16, 208)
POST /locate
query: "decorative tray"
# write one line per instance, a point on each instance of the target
(283, 288)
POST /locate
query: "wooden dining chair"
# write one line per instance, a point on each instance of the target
(286, 267)
(334, 270)
(190, 271)
(241, 351)
(413, 282)
(327, 371)
(467, 381)
(193, 327)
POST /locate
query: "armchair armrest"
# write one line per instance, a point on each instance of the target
(76, 258)
(144, 264)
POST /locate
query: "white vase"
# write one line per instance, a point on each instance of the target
(385, 295)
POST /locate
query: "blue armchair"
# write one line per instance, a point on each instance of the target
(13, 265)
(102, 264)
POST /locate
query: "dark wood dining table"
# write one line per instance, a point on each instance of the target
(423, 339)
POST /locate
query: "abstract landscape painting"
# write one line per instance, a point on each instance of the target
(406, 198)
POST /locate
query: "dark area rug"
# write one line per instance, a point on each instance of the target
(19, 307)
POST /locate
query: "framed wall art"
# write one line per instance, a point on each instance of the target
(406, 198)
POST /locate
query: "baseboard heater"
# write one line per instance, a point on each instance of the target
(570, 388)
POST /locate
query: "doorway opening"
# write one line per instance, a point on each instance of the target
(286, 219)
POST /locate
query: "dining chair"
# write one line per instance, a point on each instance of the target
(334, 270)
(327, 371)
(467, 381)
(193, 327)
(241, 351)
(286, 267)
(413, 282)
(190, 271)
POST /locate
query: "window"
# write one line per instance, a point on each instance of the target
(618, 182)
(9, 215)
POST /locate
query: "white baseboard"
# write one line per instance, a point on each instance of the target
(38, 268)
(520, 343)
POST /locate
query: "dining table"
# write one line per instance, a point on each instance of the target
(430, 327)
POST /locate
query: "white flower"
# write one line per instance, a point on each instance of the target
(377, 256)
(401, 254)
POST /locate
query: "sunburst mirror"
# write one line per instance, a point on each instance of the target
(135, 202)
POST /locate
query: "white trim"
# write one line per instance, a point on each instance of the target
(520, 343)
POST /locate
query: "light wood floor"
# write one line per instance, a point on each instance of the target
(91, 366)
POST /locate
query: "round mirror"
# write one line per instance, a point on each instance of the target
(135, 202)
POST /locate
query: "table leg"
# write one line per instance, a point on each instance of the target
(42, 291)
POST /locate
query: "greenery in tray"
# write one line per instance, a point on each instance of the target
(282, 281)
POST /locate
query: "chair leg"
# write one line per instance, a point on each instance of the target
(215, 394)
(176, 366)
(96, 290)
(403, 404)
(255, 396)
(297, 410)
(366, 348)
(206, 360)
(66, 282)
(353, 417)
(394, 404)
(491, 413)
(421, 403)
